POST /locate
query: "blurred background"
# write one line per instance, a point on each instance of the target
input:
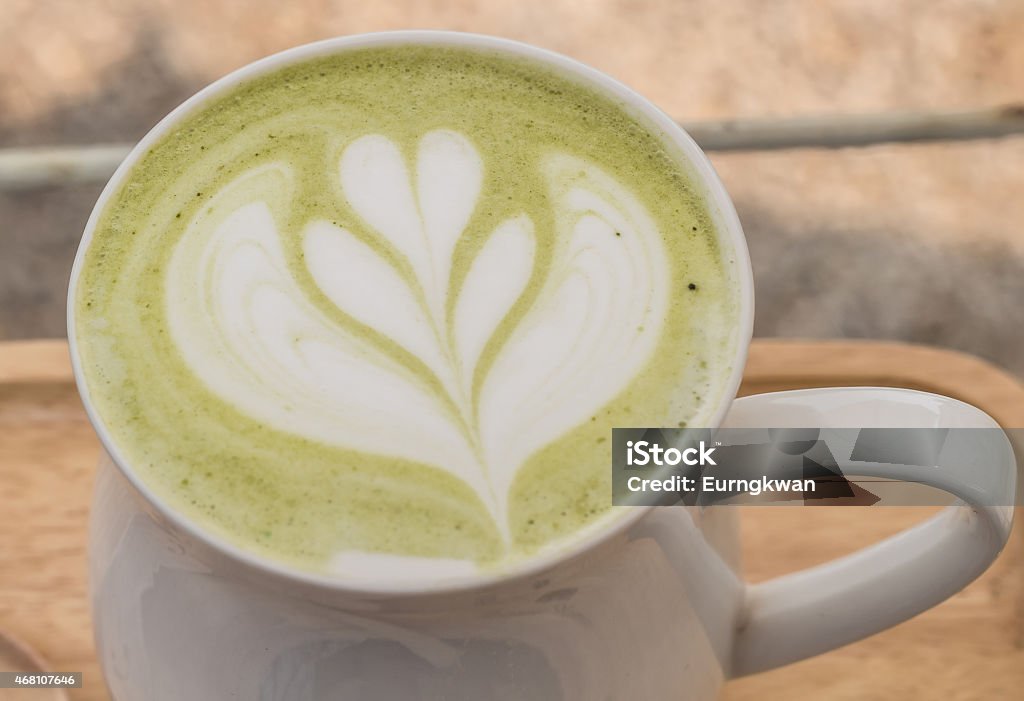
(919, 243)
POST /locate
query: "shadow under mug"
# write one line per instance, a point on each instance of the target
(650, 606)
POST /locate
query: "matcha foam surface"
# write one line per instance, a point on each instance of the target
(376, 313)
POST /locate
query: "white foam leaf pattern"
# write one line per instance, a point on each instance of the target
(494, 283)
(362, 284)
(593, 326)
(449, 173)
(376, 183)
(250, 333)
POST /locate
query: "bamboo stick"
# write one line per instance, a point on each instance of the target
(26, 168)
(844, 131)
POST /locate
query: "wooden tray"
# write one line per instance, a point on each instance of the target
(971, 647)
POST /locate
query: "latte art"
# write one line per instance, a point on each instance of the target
(247, 330)
(385, 329)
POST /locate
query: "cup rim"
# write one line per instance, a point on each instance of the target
(604, 529)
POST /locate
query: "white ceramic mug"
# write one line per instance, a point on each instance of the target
(650, 606)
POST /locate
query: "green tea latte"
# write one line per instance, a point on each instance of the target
(379, 310)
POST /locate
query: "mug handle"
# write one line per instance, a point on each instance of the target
(805, 613)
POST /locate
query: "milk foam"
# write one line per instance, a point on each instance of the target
(375, 313)
(247, 329)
